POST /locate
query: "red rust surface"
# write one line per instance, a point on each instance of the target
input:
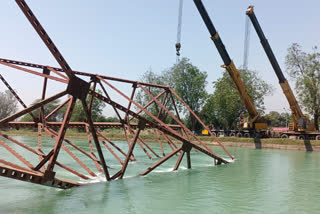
(133, 119)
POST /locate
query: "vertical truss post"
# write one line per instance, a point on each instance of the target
(44, 89)
(141, 126)
(188, 160)
(187, 148)
(91, 98)
(40, 144)
(134, 86)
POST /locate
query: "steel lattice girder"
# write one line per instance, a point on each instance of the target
(132, 122)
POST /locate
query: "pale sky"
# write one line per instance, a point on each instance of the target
(124, 38)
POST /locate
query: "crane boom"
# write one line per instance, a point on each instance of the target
(297, 115)
(228, 63)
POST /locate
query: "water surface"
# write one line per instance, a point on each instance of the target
(260, 181)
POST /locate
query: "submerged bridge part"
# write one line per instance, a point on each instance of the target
(84, 87)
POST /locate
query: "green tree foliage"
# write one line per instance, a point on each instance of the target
(189, 84)
(8, 104)
(276, 119)
(304, 68)
(224, 106)
(78, 114)
(165, 78)
(47, 109)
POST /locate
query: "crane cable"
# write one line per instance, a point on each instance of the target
(178, 44)
(246, 43)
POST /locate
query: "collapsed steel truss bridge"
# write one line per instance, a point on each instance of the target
(132, 121)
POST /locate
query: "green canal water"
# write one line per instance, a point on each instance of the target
(259, 181)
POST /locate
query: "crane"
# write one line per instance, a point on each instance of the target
(178, 43)
(255, 123)
(301, 126)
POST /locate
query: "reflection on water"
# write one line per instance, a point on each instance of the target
(260, 181)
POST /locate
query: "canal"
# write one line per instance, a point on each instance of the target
(259, 181)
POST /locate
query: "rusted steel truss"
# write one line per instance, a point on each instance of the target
(133, 117)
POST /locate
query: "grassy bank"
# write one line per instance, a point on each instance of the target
(151, 136)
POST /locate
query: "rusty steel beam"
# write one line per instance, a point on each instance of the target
(95, 138)
(103, 125)
(173, 117)
(54, 136)
(134, 86)
(16, 96)
(56, 72)
(141, 143)
(107, 95)
(96, 162)
(11, 172)
(34, 72)
(31, 108)
(57, 109)
(148, 104)
(160, 142)
(163, 127)
(112, 152)
(115, 146)
(40, 145)
(61, 134)
(109, 101)
(158, 163)
(79, 89)
(44, 90)
(141, 126)
(16, 154)
(33, 65)
(52, 133)
(179, 161)
(212, 135)
(45, 37)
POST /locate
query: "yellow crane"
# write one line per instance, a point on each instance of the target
(254, 124)
(301, 126)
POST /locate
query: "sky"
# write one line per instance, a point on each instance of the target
(125, 38)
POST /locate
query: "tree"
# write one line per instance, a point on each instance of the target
(78, 114)
(165, 78)
(58, 116)
(189, 83)
(8, 104)
(304, 68)
(276, 119)
(224, 106)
